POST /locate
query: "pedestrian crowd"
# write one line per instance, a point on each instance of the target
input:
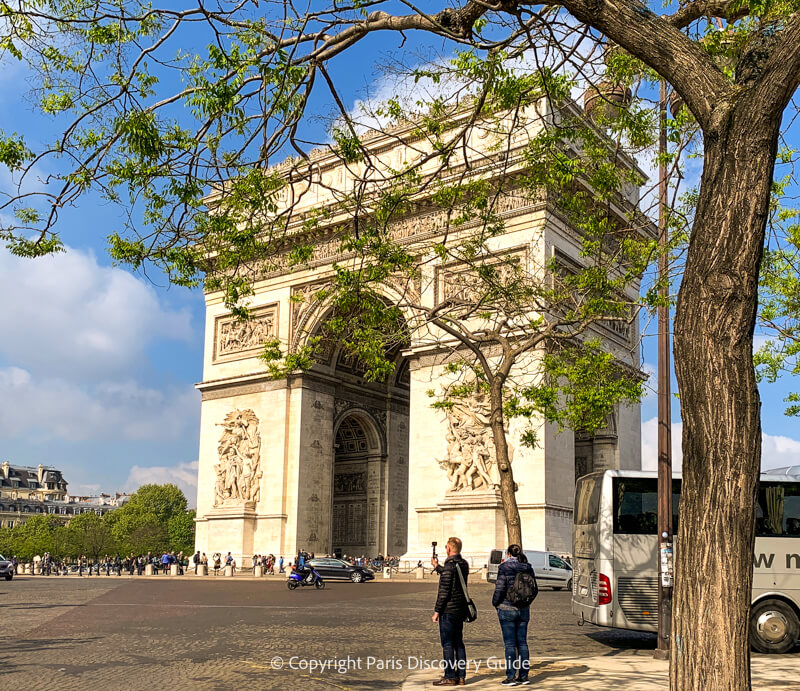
(132, 564)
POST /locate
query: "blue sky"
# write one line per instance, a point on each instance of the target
(98, 366)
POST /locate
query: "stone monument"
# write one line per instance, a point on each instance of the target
(328, 462)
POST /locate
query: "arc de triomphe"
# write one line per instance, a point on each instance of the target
(324, 460)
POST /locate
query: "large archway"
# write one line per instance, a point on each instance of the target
(366, 509)
(359, 487)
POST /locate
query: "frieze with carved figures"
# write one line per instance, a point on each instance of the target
(237, 338)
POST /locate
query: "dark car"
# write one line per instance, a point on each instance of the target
(336, 569)
(6, 568)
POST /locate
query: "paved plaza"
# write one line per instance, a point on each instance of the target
(145, 633)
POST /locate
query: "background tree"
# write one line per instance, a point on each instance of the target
(33, 537)
(163, 501)
(149, 518)
(89, 534)
(249, 94)
(153, 520)
(779, 303)
(180, 530)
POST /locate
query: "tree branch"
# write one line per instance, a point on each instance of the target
(730, 10)
(659, 43)
(780, 78)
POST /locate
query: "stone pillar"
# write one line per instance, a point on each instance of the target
(387, 572)
(173, 569)
(420, 573)
(37, 569)
(315, 457)
(485, 573)
(148, 570)
(376, 506)
(258, 571)
(229, 570)
(20, 568)
(202, 570)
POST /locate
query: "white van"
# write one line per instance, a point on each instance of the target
(550, 569)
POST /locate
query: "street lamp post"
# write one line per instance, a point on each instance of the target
(664, 416)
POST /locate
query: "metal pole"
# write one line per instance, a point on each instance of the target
(664, 416)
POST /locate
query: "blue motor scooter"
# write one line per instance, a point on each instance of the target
(296, 580)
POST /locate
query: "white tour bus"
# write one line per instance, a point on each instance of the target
(615, 552)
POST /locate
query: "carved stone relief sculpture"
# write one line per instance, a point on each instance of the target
(234, 337)
(471, 462)
(239, 468)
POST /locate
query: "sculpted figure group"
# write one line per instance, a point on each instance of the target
(235, 336)
(470, 463)
(239, 468)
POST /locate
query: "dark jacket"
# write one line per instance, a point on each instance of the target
(506, 573)
(451, 599)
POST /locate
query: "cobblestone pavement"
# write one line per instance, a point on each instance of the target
(121, 633)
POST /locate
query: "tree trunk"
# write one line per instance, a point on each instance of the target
(508, 491)
(720, 405)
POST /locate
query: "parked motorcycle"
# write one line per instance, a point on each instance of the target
(296, 580)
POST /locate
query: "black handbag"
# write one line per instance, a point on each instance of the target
(472, 610)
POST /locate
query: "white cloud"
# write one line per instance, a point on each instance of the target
(71, 318)
(105, 410)
(650, 444)
(184, 475)
(76, 489)
(651, 383)
(777, 451)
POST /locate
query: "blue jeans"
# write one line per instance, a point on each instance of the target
(514, 625)
(451, 633)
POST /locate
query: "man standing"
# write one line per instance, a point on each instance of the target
(196, 560)
(450, 612)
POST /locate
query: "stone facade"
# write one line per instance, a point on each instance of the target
(27, 491)
(332, 462)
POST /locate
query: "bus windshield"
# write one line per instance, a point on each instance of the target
(636, 505)
(587, 500)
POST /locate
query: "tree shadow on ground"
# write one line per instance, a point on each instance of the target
(44, 648)
(619, 641)
(545, 670)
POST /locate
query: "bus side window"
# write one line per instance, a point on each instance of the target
(778, 511)
(636, 505)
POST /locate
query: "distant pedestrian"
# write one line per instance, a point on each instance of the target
(450, 612)
(514, 592)
(196, 560)
(280, 565)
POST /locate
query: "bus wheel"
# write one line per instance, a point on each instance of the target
(774, 627)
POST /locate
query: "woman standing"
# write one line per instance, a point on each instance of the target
(513, 594)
